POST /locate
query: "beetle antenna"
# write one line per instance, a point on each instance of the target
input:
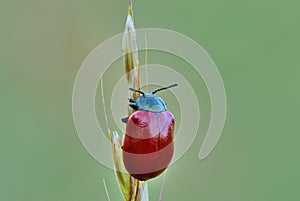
(164, 88)
(135, 90)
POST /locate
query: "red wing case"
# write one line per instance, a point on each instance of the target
(148, 146)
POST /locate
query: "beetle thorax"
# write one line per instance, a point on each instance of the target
(151, 103)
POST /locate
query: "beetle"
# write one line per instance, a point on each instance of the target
(148, 145)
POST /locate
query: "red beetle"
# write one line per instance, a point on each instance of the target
(148, 146)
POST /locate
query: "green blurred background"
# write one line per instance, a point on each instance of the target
(255, 45)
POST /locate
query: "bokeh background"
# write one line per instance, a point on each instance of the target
(255, 45)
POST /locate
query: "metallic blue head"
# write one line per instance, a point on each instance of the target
(149, 102)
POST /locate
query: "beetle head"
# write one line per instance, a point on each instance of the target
(149, 101)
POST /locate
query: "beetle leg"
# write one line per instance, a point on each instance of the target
(133, 106)
(125, 119)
